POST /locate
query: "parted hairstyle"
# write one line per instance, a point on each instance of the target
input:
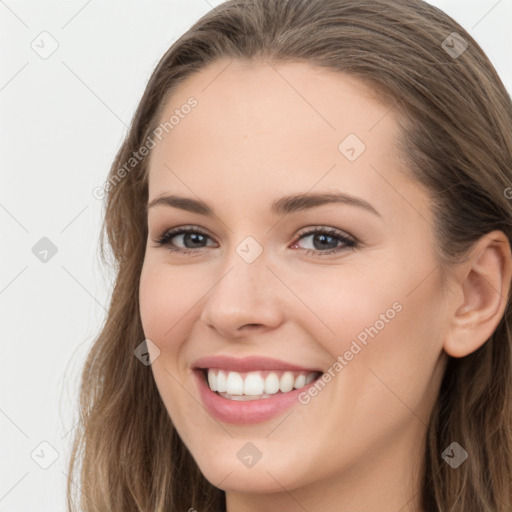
(455, 120)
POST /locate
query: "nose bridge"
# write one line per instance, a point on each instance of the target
(242, 294)
(244, 272)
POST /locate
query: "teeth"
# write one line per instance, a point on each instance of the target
(253, 384)
(212, 381)
(234, 384)
(286, 382)
(271, 383)
(300, 381)
(221, 381)
(256, 384)
(244, 398)
(309, 378)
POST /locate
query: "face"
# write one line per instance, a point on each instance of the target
(347, 287)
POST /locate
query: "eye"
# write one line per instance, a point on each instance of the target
(192, 238)
(325, 240)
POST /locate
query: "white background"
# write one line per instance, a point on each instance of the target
(62, 120)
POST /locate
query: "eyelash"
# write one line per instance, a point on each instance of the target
(349, 243)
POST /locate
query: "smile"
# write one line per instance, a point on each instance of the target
(256, 385)
(250, 389)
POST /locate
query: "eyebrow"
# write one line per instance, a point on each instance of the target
(282, 206)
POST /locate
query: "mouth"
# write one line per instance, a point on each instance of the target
(256, 384)
(252, 389)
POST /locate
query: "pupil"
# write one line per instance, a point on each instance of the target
(322, 238)
(194, 237)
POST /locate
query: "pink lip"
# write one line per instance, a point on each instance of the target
(247, 364)
(251, 411)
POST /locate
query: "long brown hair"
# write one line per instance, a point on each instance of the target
(456, 135)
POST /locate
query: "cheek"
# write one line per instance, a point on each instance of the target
(347, 303)
(154, 302)
(164, 302)
(388, 335)
(166, 298)
(396, 370)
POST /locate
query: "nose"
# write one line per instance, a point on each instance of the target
(245, 298)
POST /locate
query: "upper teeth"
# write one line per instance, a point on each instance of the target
(257, 382)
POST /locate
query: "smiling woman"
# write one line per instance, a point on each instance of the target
(311, 309)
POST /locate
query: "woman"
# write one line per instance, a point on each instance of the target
(311, 231)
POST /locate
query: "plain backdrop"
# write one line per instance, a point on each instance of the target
(62, 118)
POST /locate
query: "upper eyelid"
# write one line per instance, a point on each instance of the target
(301, 231)
(306, 231)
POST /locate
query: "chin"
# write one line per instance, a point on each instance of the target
(230, 474)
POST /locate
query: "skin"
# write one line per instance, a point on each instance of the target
(261, 132)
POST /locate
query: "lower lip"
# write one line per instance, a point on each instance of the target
(249, 411)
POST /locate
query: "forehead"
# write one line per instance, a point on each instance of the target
(244, 95)
(262, 128)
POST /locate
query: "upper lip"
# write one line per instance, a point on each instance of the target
(247, 364)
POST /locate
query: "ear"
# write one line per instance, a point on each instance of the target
(484, 282)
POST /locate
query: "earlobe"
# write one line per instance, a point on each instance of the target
(485, 285)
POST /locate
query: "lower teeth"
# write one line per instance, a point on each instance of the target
(243, 398)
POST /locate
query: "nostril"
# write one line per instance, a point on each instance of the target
(251, 326)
